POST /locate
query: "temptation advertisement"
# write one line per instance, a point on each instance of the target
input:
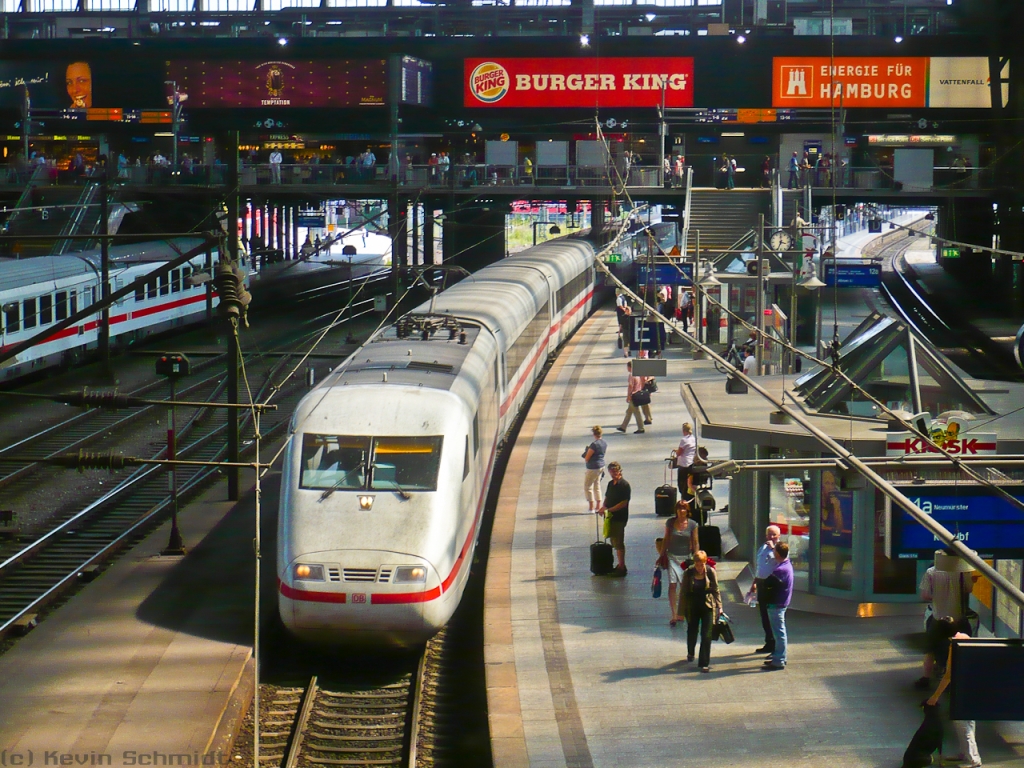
(588, 82)
(277, 83)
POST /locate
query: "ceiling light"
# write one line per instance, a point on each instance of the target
(899, 38)
(282, 41)
(585, 41)
(741, 39)
(650, 16)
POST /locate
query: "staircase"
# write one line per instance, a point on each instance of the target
(723, 216)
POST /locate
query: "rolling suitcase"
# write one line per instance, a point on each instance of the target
(665, 495)
(601, 561)
(710, 539)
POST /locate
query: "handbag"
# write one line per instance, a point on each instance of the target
(723, 630)
(656, 583)
(650, 386)
(641, 397)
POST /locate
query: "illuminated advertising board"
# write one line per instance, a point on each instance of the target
(81, 84)
(277, 83)
(588, 82)
(880, 81)
(988, 524)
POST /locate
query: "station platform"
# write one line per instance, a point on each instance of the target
(146, 665)
(585, 671)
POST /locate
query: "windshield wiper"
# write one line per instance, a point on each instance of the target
(344, 478)
(402, 493)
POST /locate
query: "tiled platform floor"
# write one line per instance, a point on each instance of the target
(585, 671)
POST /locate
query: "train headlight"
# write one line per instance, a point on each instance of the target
(304, 572)
(366, 503)
(410, 574)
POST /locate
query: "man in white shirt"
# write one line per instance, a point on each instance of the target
(275, 166)
(684, 456)
(764, 564)
(750, 364)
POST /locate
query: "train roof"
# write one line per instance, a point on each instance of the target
(18, 273)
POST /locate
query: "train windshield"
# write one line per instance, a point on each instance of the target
(346, 462)
(405, 463)
(335, 462)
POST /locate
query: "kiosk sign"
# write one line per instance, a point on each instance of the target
(909, 444)
(587, 82)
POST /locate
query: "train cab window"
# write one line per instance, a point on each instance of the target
(61, 308)
(476, 433)
(165, 286)
(336, 462)
(45, 309)
(405, 463)
(465, 460)
(29, 305)
(175, 281)
(12, 317)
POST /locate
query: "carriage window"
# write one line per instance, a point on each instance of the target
(30, 312)
(12, 317)
(62, 305)
(405, 463)
(45, 309)
(74, 301)
(140, 292)
(151, 289)
(334, 461)
(175, 281)
(165, 286)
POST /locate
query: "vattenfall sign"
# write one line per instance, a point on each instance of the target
(881, 81)
(591, 82)
(967, 444)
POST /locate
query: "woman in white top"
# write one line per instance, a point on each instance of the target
(677, 549)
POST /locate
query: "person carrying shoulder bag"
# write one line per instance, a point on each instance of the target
(700, 603)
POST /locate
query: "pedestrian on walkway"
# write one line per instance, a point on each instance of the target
(969, 756)
(700, 603)
(947, 589)
(750, 364)
(764, 564)
(684, 455)
(778, 589)
(594, 458)
(616, 507)
(685, 309)
(677, 549)
(794, 172)
(638, 399)
(275, 166)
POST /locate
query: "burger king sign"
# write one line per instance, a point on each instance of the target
(588, 82)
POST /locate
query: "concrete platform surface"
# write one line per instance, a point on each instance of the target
(585, 671)
(139, 667)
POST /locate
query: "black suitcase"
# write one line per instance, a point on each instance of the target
(601, 561)
(665, 495)
(710, 540)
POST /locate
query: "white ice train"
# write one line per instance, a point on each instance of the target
(390, 457)
(43, 290)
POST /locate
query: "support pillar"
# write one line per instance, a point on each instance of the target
(428, 233)
(596, 216)
(474, 238)
(398, 230)
(232, 415)
(416, 255)
(295, 233)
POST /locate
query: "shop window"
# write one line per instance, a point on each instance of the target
(835, 564)
(1007, 611)
(892, 576)
(788, 499)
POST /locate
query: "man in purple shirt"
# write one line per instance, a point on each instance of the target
(778, 591)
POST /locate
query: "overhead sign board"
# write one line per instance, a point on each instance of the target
(880, 81)
(277, 83)
(964, 444)
(571, 82)
(853, 275)
(989, 524)
(666, 274)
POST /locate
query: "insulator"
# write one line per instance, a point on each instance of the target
(462, 338)
(425, 335)
(227, 289)
(86, 398)
(84, 460)
(453, 332)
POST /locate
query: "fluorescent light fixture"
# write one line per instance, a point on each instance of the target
(650, 16)
(734, 134)
(209, 23)
(333, 23)
(167, 134)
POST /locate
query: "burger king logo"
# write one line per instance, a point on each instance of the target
(489, 82)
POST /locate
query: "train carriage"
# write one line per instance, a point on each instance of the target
(390, 458)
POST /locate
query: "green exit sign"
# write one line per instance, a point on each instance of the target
(614, 258)
(951, 253)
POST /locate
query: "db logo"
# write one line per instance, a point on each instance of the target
(358, 597)
(796, 82)
(489, 82)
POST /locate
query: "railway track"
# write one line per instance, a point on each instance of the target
(47, 566)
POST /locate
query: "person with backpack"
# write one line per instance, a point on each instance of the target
(594, 458)
(638, 398)
(700, 603)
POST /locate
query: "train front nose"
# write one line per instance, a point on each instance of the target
(361, 597)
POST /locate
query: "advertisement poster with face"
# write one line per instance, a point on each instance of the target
(836, 533)
(81, 83)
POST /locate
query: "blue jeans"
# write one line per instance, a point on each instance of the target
(777, 617)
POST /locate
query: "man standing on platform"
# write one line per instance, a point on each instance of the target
(778, 588)
(684, 456)
(616, 506)
(764, 564)
(275, 166)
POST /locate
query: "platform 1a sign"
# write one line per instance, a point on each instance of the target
(585, 82)
(989, 524)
